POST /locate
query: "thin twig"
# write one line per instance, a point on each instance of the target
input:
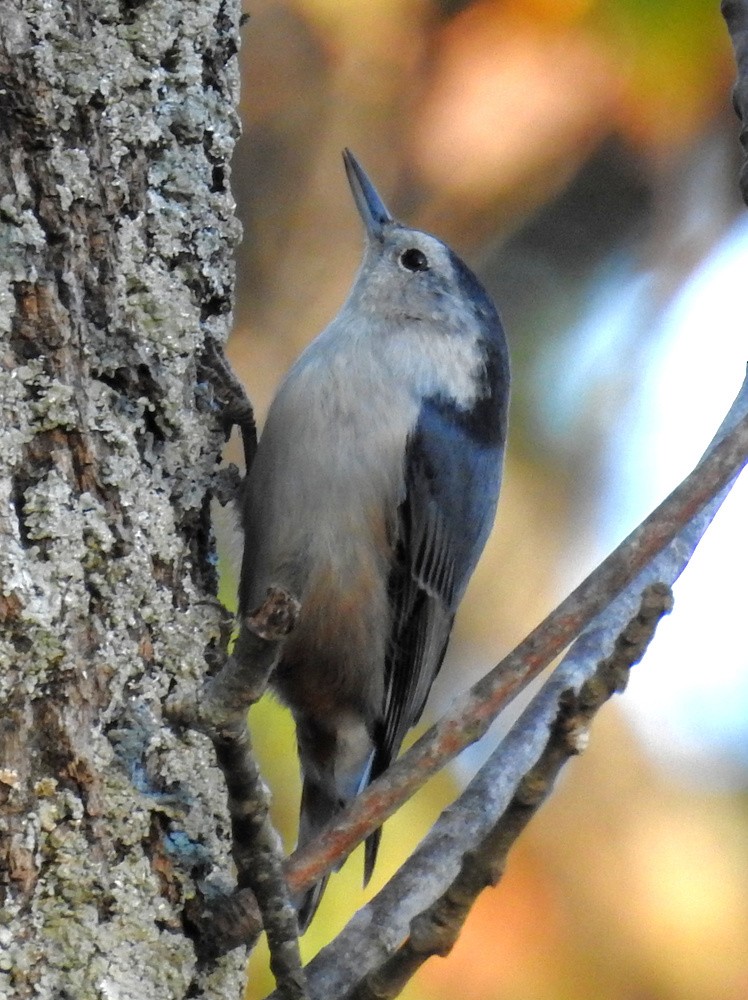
(475, 711)
(435, 930)
(258, 854)
(221, 713)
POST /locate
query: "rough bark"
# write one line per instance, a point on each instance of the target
(116, 236)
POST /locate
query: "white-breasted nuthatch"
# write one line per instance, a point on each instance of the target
(370, 499)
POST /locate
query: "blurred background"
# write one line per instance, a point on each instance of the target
(582, 156)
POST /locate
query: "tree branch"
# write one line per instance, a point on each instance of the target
(221, 714)
(435, 930)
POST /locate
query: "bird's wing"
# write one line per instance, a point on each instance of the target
(451, 488)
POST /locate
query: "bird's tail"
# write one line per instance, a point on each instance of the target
(318, 807)
(380, 761)
(336, 767)
(371, 849)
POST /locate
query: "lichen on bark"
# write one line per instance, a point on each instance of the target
(116, 240)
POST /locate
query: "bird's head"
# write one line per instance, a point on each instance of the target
(410, 277)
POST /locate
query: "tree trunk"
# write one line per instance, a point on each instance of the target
(118, 121)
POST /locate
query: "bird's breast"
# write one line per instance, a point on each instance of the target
(322, 496)
(319, 518)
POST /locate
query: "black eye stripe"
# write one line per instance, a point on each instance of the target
(414, 259)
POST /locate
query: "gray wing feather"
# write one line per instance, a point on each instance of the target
(451, 489)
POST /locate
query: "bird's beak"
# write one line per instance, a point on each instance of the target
(370, 206)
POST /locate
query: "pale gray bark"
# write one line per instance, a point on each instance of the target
(116, 236)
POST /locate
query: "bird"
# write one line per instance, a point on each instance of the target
(370, 498)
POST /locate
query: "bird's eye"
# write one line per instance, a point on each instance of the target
(414, 259)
